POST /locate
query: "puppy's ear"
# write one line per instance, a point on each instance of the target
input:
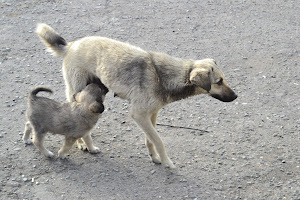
(201, 77)
(76, 97)
(96, 107)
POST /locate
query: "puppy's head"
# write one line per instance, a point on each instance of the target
(91, 97)
(209, 77)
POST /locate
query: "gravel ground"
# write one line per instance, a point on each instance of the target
(247, 149)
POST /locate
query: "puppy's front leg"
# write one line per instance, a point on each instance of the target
(144, 121)
(89, 143)
(69, 141)
(81, 145)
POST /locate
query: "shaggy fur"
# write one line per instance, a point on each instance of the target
(74, 120)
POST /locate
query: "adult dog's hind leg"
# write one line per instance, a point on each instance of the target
(75, 78)
(143, 119)
(75, 81)
(26, 135)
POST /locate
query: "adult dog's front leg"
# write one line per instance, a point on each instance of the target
(144, 121)
(151, 151)
(150, 147)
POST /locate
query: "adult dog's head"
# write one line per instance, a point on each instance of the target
(208, 76)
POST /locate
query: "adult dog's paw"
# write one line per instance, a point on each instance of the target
(94, 150)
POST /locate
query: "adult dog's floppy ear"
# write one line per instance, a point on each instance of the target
(200, 77)
(96, 107)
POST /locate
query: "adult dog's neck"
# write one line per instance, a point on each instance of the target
(173, 77)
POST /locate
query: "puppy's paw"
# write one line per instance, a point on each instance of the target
(94, 150)
(81, 145)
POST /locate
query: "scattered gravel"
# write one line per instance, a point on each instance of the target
(247, 149)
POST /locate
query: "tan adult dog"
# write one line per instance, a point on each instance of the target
(148, 80)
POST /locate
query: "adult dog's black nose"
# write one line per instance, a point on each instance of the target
(225, 98)
(234, 97)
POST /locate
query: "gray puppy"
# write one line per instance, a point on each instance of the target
(74, 119)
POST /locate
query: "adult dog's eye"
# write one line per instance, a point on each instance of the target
(220, 82)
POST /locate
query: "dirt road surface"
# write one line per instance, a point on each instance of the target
(247, 149)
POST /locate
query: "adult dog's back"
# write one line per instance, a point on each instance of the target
(120, 66)
(149, 80)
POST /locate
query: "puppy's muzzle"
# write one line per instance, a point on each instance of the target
(100, 108)
(96, 107)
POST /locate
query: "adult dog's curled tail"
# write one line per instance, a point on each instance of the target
(37, 90)
(55, 43)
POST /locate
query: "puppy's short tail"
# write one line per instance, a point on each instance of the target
(55, 43)
(37, 90)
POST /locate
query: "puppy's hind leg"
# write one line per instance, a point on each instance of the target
(89, 143)
(143, 119)
(38, 141)
(69, 141)
(26, 135)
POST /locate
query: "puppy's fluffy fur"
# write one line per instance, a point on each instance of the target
(74, 120)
